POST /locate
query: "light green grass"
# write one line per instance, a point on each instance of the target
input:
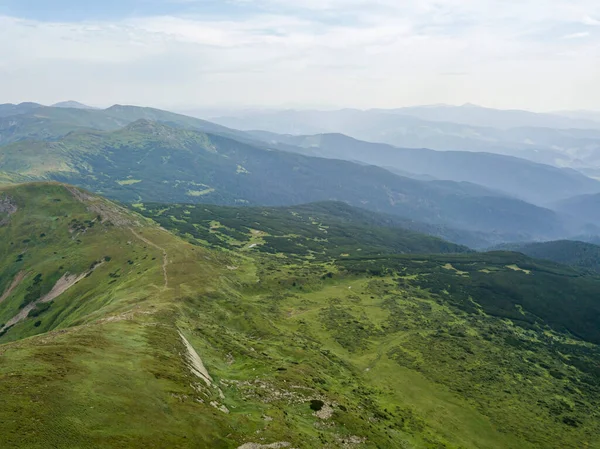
(200, 192)
(516, 268)
(128, 182)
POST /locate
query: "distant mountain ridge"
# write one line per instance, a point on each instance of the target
(71, 140)
(543, 138)
(585, 207)
(149, 161)
(537, 183)
(567, 252)
(9, 109)
(475, 115)
(580, 114)
(37, 122)
(72, 104)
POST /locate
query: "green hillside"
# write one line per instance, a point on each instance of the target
(148, 161)
(141, 339)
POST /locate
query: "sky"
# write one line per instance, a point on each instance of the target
(539, 55)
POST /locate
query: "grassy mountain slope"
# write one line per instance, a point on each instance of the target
(537, 183)
(305, 232)
(102, 348)
(490, 330)
(568, 252)
(395, 351)
(53, 233)
(147, 161)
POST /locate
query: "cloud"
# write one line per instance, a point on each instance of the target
(577, 35)
(591, 21)
(376, 53)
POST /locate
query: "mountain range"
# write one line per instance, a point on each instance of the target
(537, 183)
(37, 122)
(167, 281)
(545, 138)
(567, 252)
(143, 154)
(150, 161)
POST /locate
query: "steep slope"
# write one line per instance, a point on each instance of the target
(537, 183)
(147, 161)
(94, 283)
(66, 254)
(568, 252)
(100, 289)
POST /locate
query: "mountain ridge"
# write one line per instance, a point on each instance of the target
(129, 164)
(537, 183)
(553, 146)
(72, 104)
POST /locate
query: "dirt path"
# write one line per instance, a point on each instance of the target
(164, 251)
(15, 283)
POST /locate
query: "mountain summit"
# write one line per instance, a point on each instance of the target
(72, 104)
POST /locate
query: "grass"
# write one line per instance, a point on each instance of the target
(200, 192)
(516, 268)
(468, 379)
(449, 266)
(400, 350)
(128, 182)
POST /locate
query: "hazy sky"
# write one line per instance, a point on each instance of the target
(535, 54)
